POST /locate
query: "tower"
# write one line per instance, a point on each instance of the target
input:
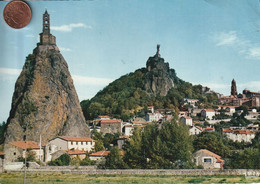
(46, 23)
(233, 88)
(46, 38)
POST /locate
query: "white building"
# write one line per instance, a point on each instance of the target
(129, 129)
(68, 143)
(153, 116)
(186, 120)
(239, 135)
(208, 113)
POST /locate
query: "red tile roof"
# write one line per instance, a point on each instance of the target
(227, 130)
(100, 154)
(25, 144)
(248, 132)
(187, 117)
(214, 155)
(2, 153)
(111, 121)
(79, 139)
(209, 110)
(199, 128)
(76, 152)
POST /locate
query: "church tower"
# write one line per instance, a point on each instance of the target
(46, 38)
(233, 88)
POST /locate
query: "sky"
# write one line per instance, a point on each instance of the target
(207, 42)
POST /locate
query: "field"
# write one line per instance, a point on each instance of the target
(58, 178)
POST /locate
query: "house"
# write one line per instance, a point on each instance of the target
(195, 130)
(98, 155)
(191, 102)
(101, 155)
(208, 113)
(17, 149)
(128, 129)
(239, 135)
(183, 113)
(65, 143)
(150, 109)
(121, 141)
(111, 126)
(186, 120)
(153, 116)
(76, 153)
(208, 159)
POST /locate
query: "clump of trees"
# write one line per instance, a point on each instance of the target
(167, 146)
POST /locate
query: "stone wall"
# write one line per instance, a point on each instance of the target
(93, 170)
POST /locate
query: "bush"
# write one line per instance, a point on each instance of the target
(63, 160)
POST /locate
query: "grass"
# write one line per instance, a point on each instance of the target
(58, 178)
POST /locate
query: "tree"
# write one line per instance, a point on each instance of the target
(134, 156)
(167, 147)
(114, 159)
(99, 146)
(87, 161)
(63, 160)
(211, 141)
(2, 131)
(246, 159)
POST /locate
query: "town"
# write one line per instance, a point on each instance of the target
(198, 120)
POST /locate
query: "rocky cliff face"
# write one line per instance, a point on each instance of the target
(160, 78)
(45, 101)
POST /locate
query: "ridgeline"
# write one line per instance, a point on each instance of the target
(156, 85)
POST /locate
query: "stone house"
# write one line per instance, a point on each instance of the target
(208, 113)
(76, 153)
(65, 143)
(16, 149)
(195, 130)
(121, 141)
(208, 159)
(186, 120)
(239, 135)
(111, 126)
(191, 102)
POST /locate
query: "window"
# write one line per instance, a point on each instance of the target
(207, 160)
(76, 143)
(14, 153)
(81, 143)
(71, 143)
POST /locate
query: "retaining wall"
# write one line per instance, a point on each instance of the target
(93, 170)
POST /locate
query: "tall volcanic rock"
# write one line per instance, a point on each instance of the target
(160, 78)
(45, 101)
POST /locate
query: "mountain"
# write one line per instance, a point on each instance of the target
(45, 101)
(156, 85)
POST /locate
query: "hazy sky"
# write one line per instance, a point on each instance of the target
(207, 42)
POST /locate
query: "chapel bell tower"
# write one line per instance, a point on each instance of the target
(46, 38)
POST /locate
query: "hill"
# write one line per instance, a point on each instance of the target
(156, 85)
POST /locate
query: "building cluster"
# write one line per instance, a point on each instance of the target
(80, 146)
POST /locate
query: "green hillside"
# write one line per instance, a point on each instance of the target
(127, 97)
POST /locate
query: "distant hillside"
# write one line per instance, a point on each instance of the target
(130, 95)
